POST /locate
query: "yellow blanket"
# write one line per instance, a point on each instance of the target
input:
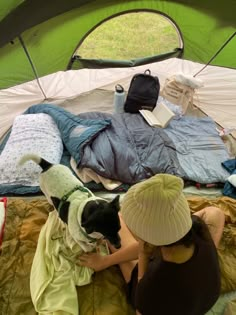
(105, 295)
(227, 248)
(54, 273)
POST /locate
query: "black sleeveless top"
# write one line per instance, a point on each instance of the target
(190, 288)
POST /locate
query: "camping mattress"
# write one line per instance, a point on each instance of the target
(106, 294)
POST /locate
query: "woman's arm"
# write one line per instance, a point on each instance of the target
(214, 218)
(99, 262)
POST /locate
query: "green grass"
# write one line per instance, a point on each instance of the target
(129, 36)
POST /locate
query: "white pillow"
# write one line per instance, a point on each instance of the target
(31, 133)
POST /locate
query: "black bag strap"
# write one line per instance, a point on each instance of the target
(147, 71)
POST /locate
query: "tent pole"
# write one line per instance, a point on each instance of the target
(218, 51)
(32, 66)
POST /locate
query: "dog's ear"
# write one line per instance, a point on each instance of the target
(64, 211)
(115, 203)
(56, 201)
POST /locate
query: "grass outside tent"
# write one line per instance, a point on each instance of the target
(130, 36)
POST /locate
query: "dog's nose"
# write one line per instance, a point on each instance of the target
(117, 246)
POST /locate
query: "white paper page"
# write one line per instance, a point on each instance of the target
(150, 118)
(163, 113)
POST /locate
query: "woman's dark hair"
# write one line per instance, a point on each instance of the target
(198, 228)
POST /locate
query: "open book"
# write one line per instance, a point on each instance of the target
(159, 117)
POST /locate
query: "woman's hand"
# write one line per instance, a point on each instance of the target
(95, 261)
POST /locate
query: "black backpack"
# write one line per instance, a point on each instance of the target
(143, 92)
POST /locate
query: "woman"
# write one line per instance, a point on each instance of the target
(177, 270)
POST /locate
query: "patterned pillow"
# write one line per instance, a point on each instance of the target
(32, 133)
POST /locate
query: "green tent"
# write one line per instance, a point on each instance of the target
(39, 37)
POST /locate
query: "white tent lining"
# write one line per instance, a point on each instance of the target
(217, 98)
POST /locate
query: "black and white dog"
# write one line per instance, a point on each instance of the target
(88, 217)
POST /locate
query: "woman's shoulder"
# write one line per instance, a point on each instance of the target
(200, 229)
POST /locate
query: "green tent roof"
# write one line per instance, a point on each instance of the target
(51, 31)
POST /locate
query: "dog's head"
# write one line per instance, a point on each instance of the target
(102, 216)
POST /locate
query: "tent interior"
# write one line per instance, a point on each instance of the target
(43, 77)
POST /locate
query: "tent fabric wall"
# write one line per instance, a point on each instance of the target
(217, 97)
(204, 26)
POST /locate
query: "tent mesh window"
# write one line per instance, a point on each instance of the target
(128, 40)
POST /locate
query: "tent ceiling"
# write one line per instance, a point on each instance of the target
(29, 13)
(20, 15)
(51, 30)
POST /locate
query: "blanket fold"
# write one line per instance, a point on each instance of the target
(188, 147)
(54, 273)
(75, 131)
